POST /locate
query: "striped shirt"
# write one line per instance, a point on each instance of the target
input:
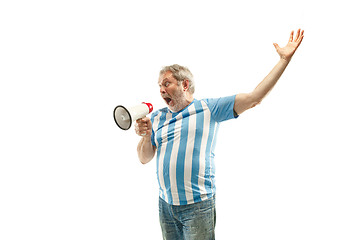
(185, 143)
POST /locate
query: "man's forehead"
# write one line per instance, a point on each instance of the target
(165, 76)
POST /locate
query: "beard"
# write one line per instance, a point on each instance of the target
(176, 102)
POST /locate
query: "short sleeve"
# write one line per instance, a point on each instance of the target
(222, 109)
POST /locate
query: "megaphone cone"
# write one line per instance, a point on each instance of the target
(124, 117)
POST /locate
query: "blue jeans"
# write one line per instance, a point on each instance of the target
(189, 222)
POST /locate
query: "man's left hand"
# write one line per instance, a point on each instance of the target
(288, 51)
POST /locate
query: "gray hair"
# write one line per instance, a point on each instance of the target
(180, 73)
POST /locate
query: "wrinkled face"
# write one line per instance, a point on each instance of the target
(172, 93)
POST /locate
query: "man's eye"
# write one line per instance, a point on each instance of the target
(166, 84)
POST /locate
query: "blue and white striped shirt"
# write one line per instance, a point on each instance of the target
(185, 143)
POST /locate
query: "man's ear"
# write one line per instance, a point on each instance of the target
(185, 84)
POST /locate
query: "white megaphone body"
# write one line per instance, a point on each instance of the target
(124, 117)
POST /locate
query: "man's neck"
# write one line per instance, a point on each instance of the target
(188, 100)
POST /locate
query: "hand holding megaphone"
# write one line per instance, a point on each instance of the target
(124, 117)
(143, 127)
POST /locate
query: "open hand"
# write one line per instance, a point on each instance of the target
(288, 51)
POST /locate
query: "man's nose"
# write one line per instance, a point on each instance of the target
(162, 89)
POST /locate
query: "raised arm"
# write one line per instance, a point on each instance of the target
(245, 101)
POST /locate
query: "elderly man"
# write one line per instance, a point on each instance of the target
(183, 136)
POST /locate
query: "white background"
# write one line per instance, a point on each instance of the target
(287, 169)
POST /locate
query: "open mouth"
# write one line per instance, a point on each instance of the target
(167, 100)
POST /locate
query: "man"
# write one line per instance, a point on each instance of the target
(184, 135)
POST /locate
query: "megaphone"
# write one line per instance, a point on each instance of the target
(124, 117)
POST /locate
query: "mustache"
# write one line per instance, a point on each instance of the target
(165, 96)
